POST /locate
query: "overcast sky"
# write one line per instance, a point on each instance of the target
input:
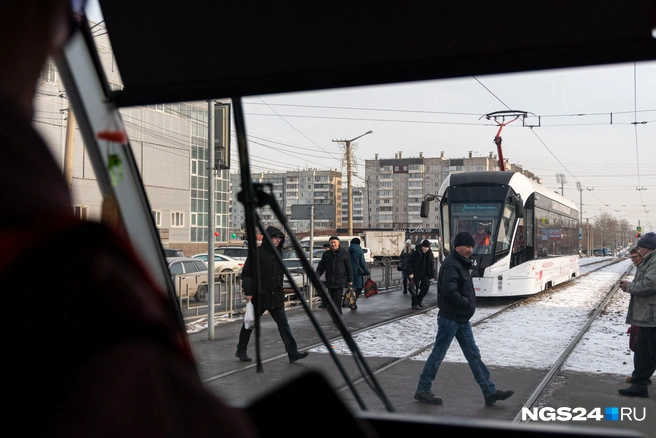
(576, 136)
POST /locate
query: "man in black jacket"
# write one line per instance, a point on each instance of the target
(336, 263)
(271, 296)
(456, 299)
(421, 268)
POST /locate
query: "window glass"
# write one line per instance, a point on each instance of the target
(190, 267)
(176, 268)
(200, 266)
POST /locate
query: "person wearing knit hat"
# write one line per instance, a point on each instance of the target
(464, 239)
(456, 299)
(647, 241)
(270, 296)
(641, 314)
(336, 264)
(403, 266)
(421, 272)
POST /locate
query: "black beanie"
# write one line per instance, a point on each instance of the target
(464, 239)
(648, 241)
(425, 243)
(355, 241)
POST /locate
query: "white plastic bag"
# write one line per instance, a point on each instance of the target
(249, 318)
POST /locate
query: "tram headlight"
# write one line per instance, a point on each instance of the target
(500, 278)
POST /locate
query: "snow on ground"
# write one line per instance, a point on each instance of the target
(201, 323)
(605, 347)
(532, 335)
(400, 338)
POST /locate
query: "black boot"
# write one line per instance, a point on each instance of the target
(242, 356)
(298, 356)
(496, 396)
(635, 390)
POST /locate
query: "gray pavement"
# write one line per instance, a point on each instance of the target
(240, 384)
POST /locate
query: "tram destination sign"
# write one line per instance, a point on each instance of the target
(476, 208)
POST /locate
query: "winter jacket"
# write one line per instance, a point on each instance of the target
(456, 296)
(337, 266)
(421, 264)
(404, 258)
(642, 307)
(271, 275)
(357, 262)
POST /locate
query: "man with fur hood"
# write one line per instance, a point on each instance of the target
(271, 296)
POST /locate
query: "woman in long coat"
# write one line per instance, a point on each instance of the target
(359, 267)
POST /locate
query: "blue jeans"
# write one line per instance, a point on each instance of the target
(447, 329)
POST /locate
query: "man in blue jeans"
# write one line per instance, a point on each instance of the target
(456, 299)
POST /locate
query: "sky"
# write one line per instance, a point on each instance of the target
(615, 162)
(554, 320)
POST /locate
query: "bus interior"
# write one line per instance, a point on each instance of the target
(275, 48)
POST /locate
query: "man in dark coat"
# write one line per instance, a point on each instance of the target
(271, 296)
(421, 270)
(336, 263)
(456, 299)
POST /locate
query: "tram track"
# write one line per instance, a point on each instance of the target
(520, 302)
(557, 366)
(391, 363)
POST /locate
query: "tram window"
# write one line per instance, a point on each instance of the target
(506, 227)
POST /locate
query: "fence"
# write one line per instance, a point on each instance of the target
(229, 297)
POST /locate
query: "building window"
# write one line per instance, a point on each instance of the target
(157, 217)
(81, 212)
(177, 219)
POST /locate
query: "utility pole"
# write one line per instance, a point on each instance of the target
(210, 222)
(69, 148)
(349, 184)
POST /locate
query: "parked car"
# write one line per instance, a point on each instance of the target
(223, 265)
(291, 254)
(189, 276)
(368, 256)
(170, 252)
(236, 252)
(298, 273)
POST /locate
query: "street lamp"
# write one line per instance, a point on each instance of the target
(579, 186)
(349, 184)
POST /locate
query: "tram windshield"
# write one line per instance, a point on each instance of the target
(481, 220)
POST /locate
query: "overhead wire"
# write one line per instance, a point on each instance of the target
(539, 139)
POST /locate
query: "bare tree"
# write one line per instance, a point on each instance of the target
(605, 227)
(624, 231)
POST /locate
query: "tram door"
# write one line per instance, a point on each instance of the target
(524, 243)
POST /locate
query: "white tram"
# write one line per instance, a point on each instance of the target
(528, 235)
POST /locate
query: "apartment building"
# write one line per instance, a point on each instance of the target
(358, 206)
(304, 187)
(395, 187)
